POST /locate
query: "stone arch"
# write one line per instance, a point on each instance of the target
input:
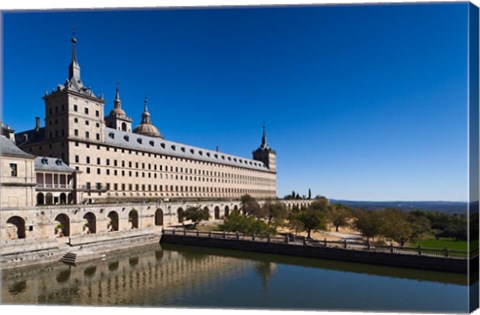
(49, 199)
(133, 218)
(63, 228)
(90, 226)
(207, 211)
(40, 199)
(159, 217)
(63, 198)
(217, 213)
(227, 211)
(124, 126)
(113, 221)
(180, 214)
(19, 224)
(70, 198)
(235, 208)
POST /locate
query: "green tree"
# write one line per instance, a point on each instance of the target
(248, 225)
(311, 220)
(276, 212)
(421, 226)
(196, 214)
(395, 225)
(369, 223)
(251, 207)
(339, 215)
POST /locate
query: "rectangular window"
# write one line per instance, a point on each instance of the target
(115, 186)
(88, 185)
(88, 160)
(108, 161)
(87, 134)
(13, 170)
(99, 161)
(77, 159)
(75, 108)
(99, 171)
(108, 171)
(86, 110)
(123, 186)
(86, 122)
(115, 162)
(98, 136)
(75, 132)
(99, 186)
(88, 170)
(97, 113)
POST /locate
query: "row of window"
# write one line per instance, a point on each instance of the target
(167, 157)
(85, 110)
(173, 188)
(176, 169)
(192, 151)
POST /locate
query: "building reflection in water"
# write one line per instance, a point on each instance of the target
(142, 277)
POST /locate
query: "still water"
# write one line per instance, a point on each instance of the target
(183, 276)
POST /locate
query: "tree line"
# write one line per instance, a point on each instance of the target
(374, 225)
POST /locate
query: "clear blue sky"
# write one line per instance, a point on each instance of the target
(360, 102)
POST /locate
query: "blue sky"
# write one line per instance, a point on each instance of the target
(361, 102)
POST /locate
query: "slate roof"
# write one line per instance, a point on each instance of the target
(43, 163)
(8, 148)
(134, 141)
(33, 136)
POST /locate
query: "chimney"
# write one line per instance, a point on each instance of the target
(37, 124)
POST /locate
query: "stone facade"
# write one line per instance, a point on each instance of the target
(113, 163)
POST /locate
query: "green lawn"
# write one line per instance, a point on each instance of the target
(442, 243)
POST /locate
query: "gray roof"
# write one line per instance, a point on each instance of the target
(8, 148)
(134, 141)
(43, 163)
(30, 136)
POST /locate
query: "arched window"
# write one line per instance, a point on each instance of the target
(63, 225)
(133, 219)
(40, 199)
(90, 223)
(19, 225)
(112, 224)
(180, 215)
(159, 217)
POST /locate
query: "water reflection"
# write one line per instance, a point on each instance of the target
(265, 270)
(201, 277)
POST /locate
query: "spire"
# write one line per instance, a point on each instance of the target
(146, 114)
(264, 137)
(74, 69)
(117, 102)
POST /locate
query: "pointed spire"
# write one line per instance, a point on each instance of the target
(145, 105)
(264, 137)
(146, 114)
(117, 102)
(74, 69)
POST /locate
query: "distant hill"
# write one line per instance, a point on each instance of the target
(441, 206)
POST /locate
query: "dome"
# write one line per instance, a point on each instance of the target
(148, 130)
(117, 112)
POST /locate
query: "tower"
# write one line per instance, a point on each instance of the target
(117, 118)
(73, 114)
(266, 154)
(146, 127)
